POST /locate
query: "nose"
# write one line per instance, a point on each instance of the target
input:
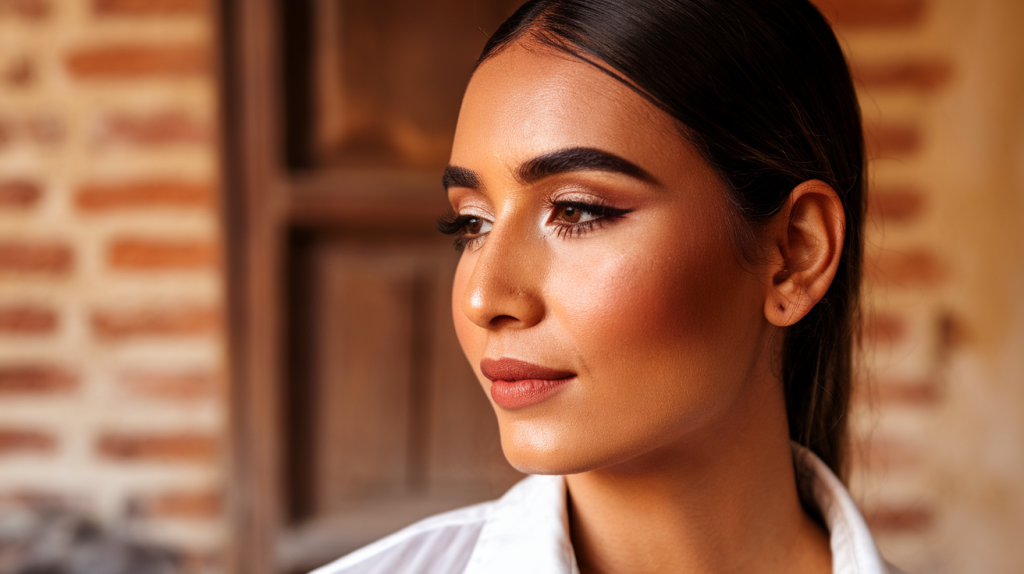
(505, 285)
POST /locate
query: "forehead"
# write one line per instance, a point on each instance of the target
(531, 99)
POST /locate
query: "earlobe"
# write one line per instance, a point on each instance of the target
(808, 238)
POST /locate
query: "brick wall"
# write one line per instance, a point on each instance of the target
(940, 440)
(112, 370)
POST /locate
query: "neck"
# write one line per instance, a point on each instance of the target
(723, 501)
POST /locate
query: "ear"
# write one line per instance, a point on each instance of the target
(808, 235)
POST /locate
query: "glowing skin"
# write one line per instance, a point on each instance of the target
(673, 431)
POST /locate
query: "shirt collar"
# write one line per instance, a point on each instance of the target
(527, 531)
(528, 528)
(853, 548)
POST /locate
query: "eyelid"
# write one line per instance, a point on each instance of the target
(471, 202)
(475, 211)
(578, 196)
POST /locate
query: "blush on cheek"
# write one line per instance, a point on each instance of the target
(640, 294)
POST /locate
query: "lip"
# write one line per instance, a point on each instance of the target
(517, 384)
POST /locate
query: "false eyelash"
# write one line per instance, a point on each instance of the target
(577, 229)
(451, 223)
(604, 215)
(454, 224)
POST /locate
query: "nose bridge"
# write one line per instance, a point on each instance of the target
(506, 285)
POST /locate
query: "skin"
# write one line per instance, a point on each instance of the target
(673, 436)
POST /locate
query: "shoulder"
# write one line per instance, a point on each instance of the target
(441, 543)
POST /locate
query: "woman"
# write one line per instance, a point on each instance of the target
(659, 206)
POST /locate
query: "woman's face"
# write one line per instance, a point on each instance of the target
(600, 298)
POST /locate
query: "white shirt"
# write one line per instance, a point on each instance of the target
(527, 531)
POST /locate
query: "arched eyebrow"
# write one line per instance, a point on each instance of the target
(578, 159)
(554, 163)
(455, 176)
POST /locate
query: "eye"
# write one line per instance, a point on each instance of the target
(575, 213)
(467, 229)
(477, 225)
(575, 218)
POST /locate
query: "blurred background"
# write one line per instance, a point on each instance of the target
(225, 342)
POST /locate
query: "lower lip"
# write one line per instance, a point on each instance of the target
(526, 392)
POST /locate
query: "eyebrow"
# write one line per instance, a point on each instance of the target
(554, 163)
(455, 176)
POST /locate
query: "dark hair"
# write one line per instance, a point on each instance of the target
(763, 91)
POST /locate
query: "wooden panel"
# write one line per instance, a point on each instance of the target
(398, 410)
(406, 201)
(390, 77)
(364, 374)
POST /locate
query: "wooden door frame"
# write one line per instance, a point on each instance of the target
(261, 202)
(253, 216)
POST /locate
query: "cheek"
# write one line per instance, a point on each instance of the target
(660, 290)
(659, 324)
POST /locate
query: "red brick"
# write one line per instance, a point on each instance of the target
(19, 73)
(184, 386)
(893, 519)
(873, 13)
(27, 9)
(161, 128)
(148, 7)
(182, 505)
(30, 379)
(144, 195)
(914, 268)
(186, 447)
(164, 321)
(904, 392)
(884, 329)
(135, 60)
(27, 319)
(896, 205)
(19, 194)
(25, 257)
(894, 140)
(921, 75)
(21, 440)
(146, 254)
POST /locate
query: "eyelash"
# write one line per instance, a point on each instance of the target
(457, 225)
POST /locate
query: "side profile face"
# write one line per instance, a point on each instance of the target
(601, 298)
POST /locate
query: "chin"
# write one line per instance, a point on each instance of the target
(532, 447)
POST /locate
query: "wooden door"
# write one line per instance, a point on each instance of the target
(354, 411)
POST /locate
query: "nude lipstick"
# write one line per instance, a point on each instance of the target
(516, 384)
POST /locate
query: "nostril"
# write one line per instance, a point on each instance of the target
(502, 320)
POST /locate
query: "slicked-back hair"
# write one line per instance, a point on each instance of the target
(762, 90)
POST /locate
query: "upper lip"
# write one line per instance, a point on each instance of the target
(506, 369)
